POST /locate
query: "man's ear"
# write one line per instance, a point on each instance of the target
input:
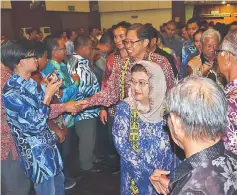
(177, 124)
(227, 59)
(145, 42)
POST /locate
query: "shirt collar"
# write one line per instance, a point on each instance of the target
(24, 83)
(80, 57)
(198, 159)
(229, 87)
(56, 64)
(145, 57)
(205, 60)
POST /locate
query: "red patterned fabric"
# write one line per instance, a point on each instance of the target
(7, 143)
(111, 94)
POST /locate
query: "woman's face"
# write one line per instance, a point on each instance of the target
(43, 61)
(140, 86)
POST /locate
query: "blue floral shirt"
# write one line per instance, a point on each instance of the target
(27, 118)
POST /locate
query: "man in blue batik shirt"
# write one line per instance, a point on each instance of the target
(56, 54)
(85, 122)
(27, 111)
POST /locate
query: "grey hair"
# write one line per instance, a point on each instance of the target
(201, 105)
(210, 33)
(230, 42)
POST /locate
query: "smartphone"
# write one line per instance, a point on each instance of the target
(53, 75)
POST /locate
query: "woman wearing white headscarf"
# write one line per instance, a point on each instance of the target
(139, 134)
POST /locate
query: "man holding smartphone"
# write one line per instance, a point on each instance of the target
(56, 68)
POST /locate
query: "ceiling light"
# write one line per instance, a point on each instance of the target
(223, 2)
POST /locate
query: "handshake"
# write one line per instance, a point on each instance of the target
(75, 106)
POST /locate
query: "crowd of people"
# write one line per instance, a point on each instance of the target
(152, 92)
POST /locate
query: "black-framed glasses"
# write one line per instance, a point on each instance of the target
(127, 42)
(222, 50)
(28, 57)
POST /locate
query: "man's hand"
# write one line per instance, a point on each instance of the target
(103, 116)
(83, 104)
(160, 181)
(51, 89)
(72, 107)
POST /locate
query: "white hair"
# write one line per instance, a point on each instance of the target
(230, 43)
(210, 33)
(201, 104)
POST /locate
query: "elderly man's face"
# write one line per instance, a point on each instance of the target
(209, 46)
(134, 46)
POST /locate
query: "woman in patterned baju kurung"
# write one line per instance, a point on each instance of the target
(139, 134)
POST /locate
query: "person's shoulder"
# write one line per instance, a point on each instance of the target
(195, 62)
(11, 86)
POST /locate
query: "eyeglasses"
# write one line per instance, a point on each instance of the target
(28, 57)
(140, 83)
(126, 42)
(218, 51)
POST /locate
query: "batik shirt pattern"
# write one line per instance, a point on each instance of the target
(230, 140)
(88, 85)
(111, 94)
(188, 52)
(27, 118)
(212, 171)
(154, 151)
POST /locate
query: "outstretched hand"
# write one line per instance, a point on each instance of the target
(160, 181)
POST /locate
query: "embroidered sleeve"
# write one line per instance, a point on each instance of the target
(56, 110)
(110, 95)
(135, 163)
(107, 71)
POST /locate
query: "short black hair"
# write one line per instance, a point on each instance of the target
(194, 20)
(81, 41)
(142, 31)
(152, 32)
(13, 51)
(39, 48)
(106, 39)
(123, 24)
(138, 68)
(69, 33)
(51, 44)
(198, 31)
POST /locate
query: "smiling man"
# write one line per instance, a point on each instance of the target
(136, 44)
